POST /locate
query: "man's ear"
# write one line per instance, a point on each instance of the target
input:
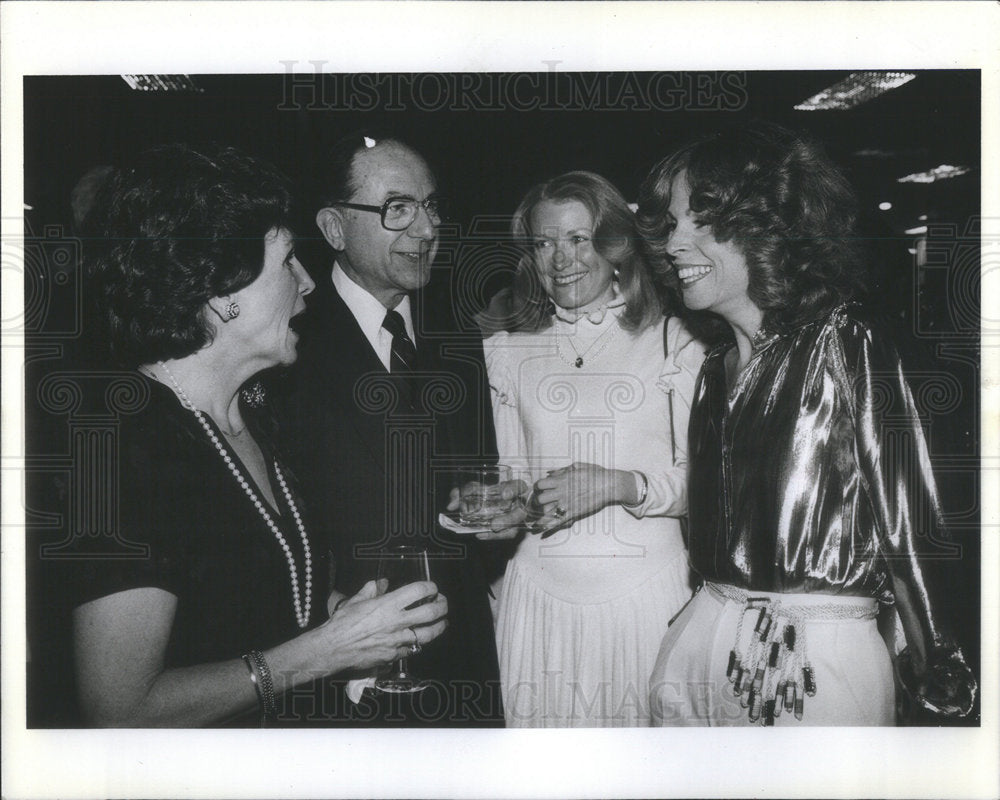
(330, 222)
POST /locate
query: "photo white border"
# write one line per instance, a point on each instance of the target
(255, 37)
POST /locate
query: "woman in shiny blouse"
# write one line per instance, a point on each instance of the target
(227, 607)
(801, 521)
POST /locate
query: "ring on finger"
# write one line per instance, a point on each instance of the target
(560, 511)
(415, 647)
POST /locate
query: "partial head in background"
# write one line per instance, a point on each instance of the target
(760, 194)
(85, 193)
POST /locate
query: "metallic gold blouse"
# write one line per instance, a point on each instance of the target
(812, 475)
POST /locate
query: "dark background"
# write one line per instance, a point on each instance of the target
(490, 137)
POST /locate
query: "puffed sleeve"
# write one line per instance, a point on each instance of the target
(667, 495)
(511, 446)
(907, 514)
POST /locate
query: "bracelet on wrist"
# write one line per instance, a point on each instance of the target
(263, 684)
(643, 489)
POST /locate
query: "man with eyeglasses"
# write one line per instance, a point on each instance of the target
(385, 400)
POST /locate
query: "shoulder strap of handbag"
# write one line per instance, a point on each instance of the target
(670, 395)
(673, 445)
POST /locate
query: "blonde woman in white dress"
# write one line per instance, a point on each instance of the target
(591, 391)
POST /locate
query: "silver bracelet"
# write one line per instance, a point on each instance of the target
(643, 492)
(253, 679)
(260, 675)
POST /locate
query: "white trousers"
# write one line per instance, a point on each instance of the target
(850, 661)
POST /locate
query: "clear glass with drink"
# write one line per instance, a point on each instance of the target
(399, 566)
(481, 495)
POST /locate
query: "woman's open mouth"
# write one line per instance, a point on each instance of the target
(691, 275)
(295, 322)
(568, 280)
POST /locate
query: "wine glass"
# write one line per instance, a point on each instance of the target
(400, 566)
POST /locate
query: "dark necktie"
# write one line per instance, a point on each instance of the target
(404, 355)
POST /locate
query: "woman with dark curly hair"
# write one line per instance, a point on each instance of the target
(198, 281)
(800, 522)
(591, 385)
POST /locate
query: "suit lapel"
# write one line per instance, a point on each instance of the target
(347, 357)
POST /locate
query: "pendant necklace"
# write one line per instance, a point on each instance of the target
(301, 613)
(578, 360)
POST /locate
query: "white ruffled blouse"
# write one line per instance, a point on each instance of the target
(626, 407)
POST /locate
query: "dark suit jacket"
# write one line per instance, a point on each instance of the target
(374, 454)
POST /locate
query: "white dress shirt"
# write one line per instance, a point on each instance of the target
(370, 313)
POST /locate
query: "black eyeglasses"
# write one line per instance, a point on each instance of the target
(398, 213)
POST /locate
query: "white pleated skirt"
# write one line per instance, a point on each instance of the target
(568, 664)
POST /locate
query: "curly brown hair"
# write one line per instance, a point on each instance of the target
(782, 201)
(171, 231)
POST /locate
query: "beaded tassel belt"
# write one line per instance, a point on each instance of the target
(769, 666)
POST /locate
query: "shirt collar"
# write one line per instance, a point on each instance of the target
(368, 311)
(595, 315)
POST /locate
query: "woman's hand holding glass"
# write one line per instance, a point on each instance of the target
(555, 501)
(399, 567)
(487, 496)
(372, 629)
(509, 524)
(483, 493)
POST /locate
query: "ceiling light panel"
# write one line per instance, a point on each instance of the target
(941, 173)
(161, 83)
(855, 89)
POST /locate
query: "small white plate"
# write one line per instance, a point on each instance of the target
(543, 527)
(450, 523)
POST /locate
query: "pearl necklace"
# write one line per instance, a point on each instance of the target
(301, 616)
(577, 362)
